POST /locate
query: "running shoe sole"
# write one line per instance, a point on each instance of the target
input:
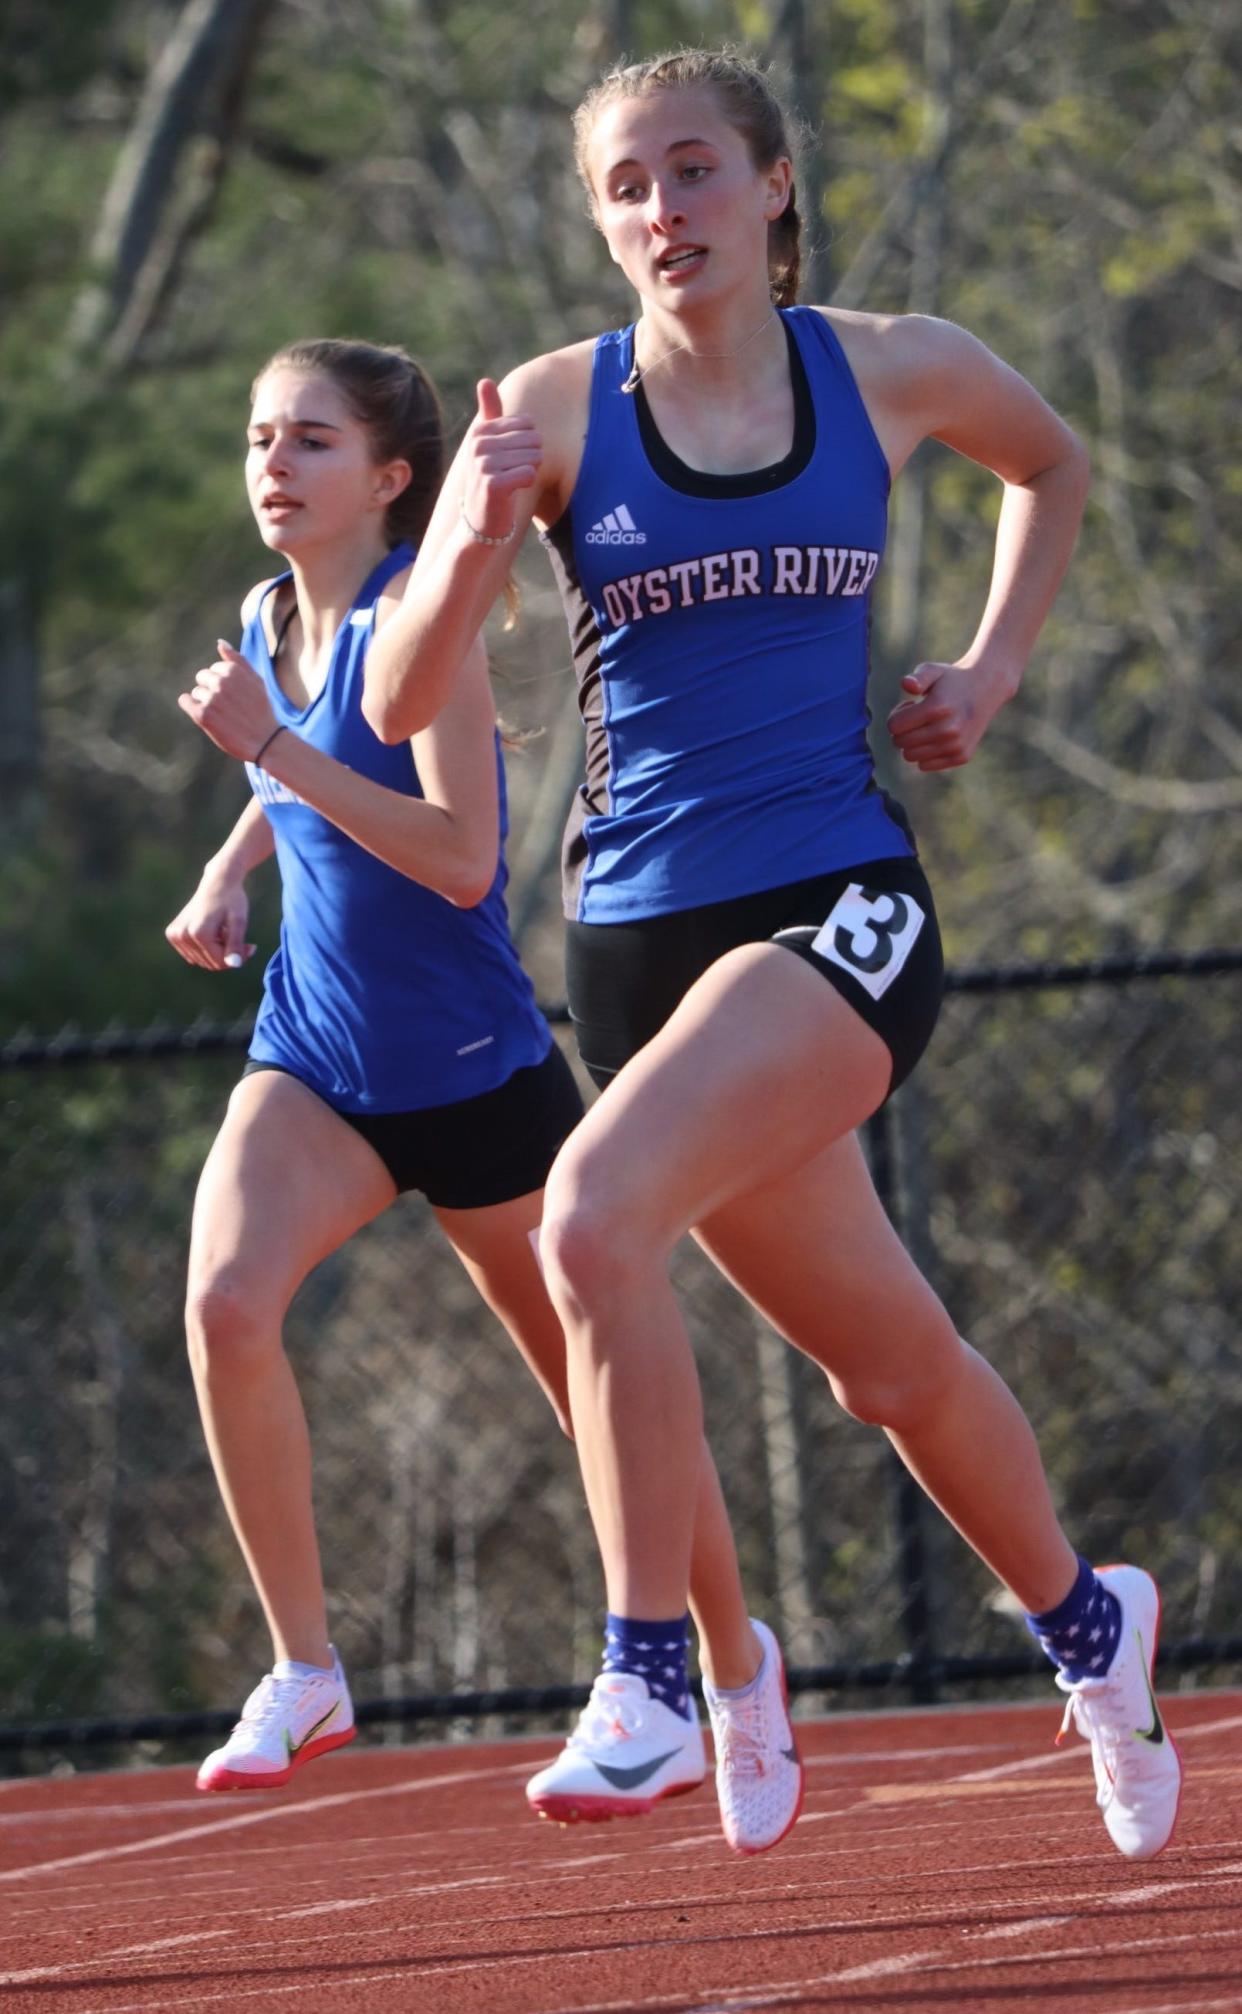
(271, 1779)
(564, 1807)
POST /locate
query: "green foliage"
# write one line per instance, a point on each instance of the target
(66, 955)
(50, 52)
(46, 1674)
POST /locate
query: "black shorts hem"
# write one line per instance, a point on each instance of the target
(625, 980)
(476, 1152)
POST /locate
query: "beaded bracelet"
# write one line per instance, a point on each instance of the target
(263, 748)
(482, 536)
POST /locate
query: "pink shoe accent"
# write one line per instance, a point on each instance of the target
(271, 1779)
(565, 1808)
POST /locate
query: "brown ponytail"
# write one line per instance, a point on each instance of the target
(785, 253)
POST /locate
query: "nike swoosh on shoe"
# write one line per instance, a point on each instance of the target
(1154, 1734)
(629, 1779)
(295, 1748)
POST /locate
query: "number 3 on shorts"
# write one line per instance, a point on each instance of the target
(871, 933)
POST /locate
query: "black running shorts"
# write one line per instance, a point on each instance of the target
(870, 930)
(479, 1151)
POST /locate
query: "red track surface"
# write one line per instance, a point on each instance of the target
(945, 1861)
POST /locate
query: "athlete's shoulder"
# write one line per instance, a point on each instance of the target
(541, 385)
(899, 350)
(253, 601)
(901, 338)
(554, 391)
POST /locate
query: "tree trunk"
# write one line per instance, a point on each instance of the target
(802, 55)
(908, 1116)
(151, 207)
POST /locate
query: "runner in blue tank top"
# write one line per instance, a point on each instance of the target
(398, 1045)
(753, 958)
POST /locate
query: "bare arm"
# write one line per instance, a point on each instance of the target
(926, 379)
(211, 929)
(518, 461)
(448, 840)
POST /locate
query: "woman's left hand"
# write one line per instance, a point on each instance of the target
(230, 703)
(941, 725)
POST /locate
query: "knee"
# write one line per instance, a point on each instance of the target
(904, 1397)
(229, 1332)
(591, 1246)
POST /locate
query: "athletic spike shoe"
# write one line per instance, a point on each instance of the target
(1138, 1772)
(288, 1720)
(627, 1752)
(759, 1776)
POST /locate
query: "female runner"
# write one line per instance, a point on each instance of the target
(398, 1044)
(753, 957)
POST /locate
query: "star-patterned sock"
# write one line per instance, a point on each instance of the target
(1082, 1633)
(654, 1651)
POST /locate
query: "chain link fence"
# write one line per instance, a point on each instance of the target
(1066, 1166)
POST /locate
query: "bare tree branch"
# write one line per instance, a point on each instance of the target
(1149, 793)
(189, 89)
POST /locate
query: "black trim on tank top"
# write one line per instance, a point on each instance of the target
(747, 482)
(282, 632)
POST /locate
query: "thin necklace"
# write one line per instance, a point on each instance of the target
(640, 371)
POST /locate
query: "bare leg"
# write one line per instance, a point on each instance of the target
(760, 1070)
(285, 1184)
(858, 1305)
(494, 1246)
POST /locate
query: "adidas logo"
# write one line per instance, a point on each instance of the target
(616, 527)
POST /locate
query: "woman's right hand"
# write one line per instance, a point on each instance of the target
(503, 453)
(211, 929)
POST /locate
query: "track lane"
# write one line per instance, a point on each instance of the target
(945, 1859)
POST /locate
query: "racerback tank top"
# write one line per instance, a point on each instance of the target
(382, 996)
(720, 629)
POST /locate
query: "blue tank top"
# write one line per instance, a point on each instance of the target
(720, 627)
(382, 996)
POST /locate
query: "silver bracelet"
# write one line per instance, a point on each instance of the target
(482, 536)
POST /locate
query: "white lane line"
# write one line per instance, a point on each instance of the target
(1028, 1924)
(587, 1860)
(841, 1758)
(1094, 1951)
(1153, 1891)
(726, 1999)
(1147, 1892)
(99, 1958)
(775, 1992)
(235, 1993)
(267, 1816)
(879, 1968)
(73, 1814)
(1077, 1753)
(1027, 1762)
(1208, 1727)
(1229, 2006)
(262, 1916)
(161, 1944)
(388, 1895)
(324, 1908)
